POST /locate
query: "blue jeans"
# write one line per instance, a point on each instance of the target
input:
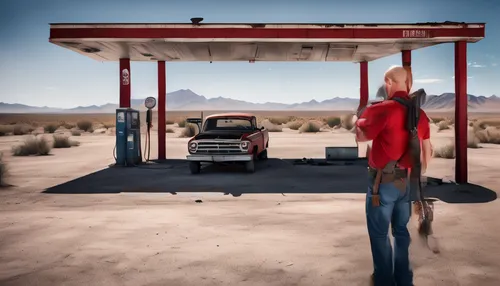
(394, 209)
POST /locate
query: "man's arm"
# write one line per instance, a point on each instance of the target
(426, 154)
(425, 132)
(373, 120)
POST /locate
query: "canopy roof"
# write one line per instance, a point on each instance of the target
(256, 42)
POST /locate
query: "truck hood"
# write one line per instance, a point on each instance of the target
(223, 135)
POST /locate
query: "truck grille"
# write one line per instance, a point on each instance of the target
(219, 147)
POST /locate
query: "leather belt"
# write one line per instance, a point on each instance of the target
(395, 174)
(398, 177)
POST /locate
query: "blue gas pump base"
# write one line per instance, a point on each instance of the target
(128, 137)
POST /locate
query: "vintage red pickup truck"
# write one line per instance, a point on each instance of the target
(227, 138)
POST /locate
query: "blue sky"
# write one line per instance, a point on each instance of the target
(35, 72)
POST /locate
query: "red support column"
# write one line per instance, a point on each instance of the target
(162, 100)
(125, 82)
(406, 60)
(461, 112)
(363, 85)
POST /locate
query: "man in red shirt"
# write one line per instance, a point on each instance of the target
(389, 160)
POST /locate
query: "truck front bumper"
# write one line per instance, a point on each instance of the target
(219, 158)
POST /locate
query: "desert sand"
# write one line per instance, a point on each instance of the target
(284, 225)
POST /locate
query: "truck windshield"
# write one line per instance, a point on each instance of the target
(228, 124)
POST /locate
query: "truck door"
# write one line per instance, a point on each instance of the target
(262, 140)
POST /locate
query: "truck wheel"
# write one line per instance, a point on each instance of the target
(250, 166)
(263, 155)
(195, 167)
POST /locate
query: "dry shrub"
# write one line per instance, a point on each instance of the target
(85, 125)
(22, 129)
(490, 135)
(108, 125)
(482, 136)
(190, 130)
(32, 146)
(346, 121)
(76, 132)
(100, 131)
(436, 120)
(6, 130)
(294, 125)
(3, 170)
(446, 152)
(443, 125)
(182, 123)
(61, 141)
(169, 130)
(310, 127)
(271, 127)
(490, 122)
(281, 119)
(50, 128)
(333, 121)
(67, 125)
(472, 140)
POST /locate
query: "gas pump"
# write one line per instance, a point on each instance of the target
(128, 137)
(128, 134)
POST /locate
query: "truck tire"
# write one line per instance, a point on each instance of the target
(250, 166)
(263, 155)
(195, 167)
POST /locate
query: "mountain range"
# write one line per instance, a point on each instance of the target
(186, 99)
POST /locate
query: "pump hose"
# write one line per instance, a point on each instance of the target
(147, 148)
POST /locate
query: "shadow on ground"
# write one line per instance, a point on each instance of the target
(273, 176)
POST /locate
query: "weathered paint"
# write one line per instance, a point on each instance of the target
(255, 42)
(162, 94)
(461, 126)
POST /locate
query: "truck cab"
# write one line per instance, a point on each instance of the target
(227, 138)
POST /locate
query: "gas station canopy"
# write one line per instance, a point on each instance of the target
(256, 42)
(271, 42)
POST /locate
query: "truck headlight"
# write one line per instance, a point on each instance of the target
(193, 147)
(244, 145)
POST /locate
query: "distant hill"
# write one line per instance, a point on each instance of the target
(186, 99)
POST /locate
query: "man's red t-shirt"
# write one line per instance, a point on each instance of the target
(385, 124)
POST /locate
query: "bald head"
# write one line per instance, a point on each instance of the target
(396, 79)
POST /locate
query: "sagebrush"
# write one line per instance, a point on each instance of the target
(294, 125)
(490, 135)
(50, 128)
(443, 125)
(22, 129)
(189, 130)
(446, 152)
(279, 120)
(182, 123)
(472, 140)
(333, 121)
(310, 127)
(271, 127)
(85, 125)
(6, 130)
(61, 141)
(34, 145)
(346, 121)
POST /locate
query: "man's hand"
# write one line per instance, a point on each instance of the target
(360, 135)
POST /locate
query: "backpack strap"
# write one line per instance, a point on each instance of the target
(410, 125)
